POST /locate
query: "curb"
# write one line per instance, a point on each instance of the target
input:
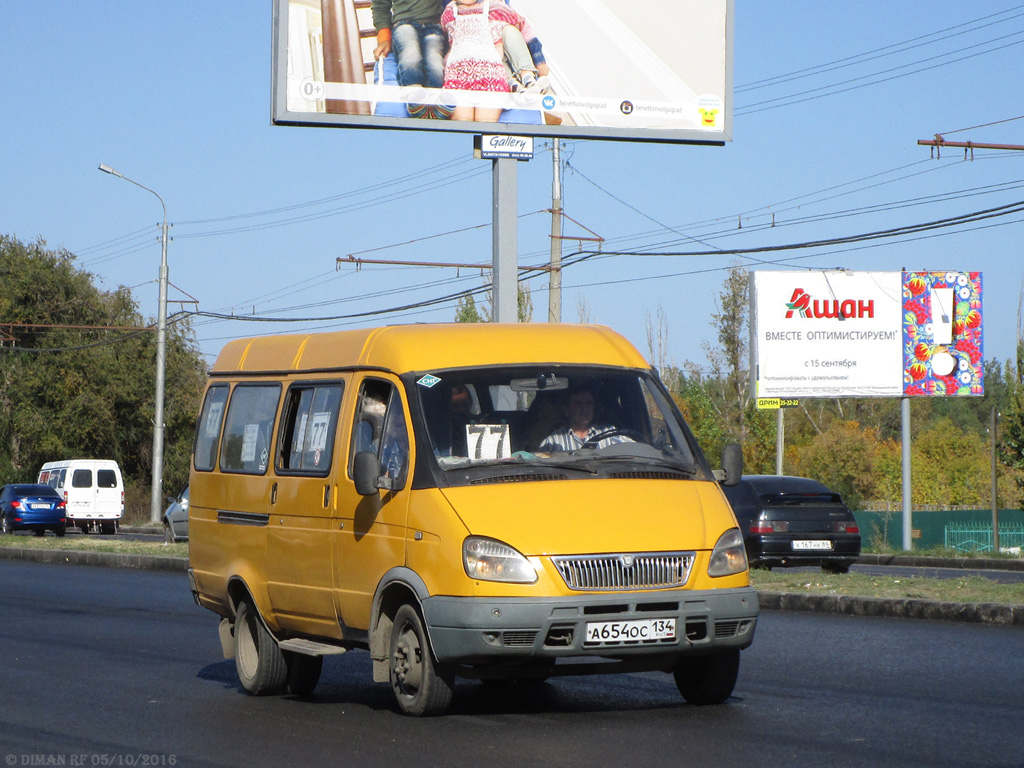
(107, 559)
(906, 608)
(962, 563)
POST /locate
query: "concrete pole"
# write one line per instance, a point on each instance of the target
(555, 278)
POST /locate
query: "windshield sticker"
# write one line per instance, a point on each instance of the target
(429, 381)
(488, 442)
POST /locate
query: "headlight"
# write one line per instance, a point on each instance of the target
(729, 555)
(490, 560)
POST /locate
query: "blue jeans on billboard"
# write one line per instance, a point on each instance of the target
(419, 52)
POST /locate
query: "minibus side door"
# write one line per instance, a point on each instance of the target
(299, 558)
(370, 531)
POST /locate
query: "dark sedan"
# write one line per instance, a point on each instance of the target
(788, 521)
(36, 508)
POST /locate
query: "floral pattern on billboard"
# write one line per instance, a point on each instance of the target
(942, 334)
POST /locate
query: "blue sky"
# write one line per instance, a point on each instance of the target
(177, 97)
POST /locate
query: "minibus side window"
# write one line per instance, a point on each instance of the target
(81, 478)
(381, 429)
(309, 422)
(249, 429)
(106, 478)
(208, 429)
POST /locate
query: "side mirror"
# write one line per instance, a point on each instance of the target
(732, 464)
(365, 473)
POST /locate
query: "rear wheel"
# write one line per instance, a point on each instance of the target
(303, 673)
(108, 529)
(5, 527)
(258, 659)
(708, 679)
(39, 531)
(422, 686)
(60, 530)
(835, 567)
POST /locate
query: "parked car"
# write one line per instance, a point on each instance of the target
(788, 521)
(36, 508)
(176, 518)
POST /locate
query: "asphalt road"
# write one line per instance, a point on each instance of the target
(118, 667)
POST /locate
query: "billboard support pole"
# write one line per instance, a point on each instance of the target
(905, 439)
(505, 239)
(780, 439)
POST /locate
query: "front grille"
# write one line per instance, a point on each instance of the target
(518, 639)
(657, 570)
(726, 629)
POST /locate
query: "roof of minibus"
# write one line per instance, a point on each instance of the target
(404, 348)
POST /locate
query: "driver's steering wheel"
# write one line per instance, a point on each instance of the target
(632, 434)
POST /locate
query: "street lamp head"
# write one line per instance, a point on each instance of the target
(108, 169)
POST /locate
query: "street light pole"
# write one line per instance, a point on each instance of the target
(157, 492)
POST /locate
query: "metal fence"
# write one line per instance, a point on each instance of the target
(977, 537)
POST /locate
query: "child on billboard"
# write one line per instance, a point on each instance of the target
(412, 28)
(476, 31)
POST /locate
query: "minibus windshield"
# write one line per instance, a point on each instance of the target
(554, 416)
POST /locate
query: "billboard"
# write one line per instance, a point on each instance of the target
(614, 69)
(866, 334)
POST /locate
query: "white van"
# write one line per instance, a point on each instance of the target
(93, 491)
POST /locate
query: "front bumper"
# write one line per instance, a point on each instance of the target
(478, 630)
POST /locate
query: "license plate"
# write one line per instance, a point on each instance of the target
(813, 544)
(39, 506)
(608, 632)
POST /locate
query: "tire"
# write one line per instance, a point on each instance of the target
(60, 530)
(261, 667)
(108, 529)
(303, 673)
(708, 679)
(39, 532)
(835, 567)
(422, 687)
(83, 527)
(5, 526)
(168, 535)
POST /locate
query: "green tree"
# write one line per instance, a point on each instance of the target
(467, 310)
(77, 372)
(843, 458)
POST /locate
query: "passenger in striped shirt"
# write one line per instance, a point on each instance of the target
(581, 428)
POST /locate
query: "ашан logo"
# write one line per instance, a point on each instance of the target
(802, 302)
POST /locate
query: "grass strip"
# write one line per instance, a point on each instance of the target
(959, 589)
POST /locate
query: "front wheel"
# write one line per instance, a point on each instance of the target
(708, 679)
(258, 659)
(422, 686)
(168, 535)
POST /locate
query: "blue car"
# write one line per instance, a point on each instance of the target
(36, 508)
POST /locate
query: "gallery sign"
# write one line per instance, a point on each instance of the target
(865, 334)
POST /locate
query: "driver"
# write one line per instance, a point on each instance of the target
(579, 410)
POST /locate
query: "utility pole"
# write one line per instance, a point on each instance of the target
(555, 282)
